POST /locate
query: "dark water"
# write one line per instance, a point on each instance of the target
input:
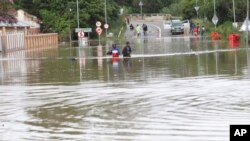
(175, 89)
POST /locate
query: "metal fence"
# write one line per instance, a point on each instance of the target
(19, 41)
(15, 42)
(1, 44)
(12, 42)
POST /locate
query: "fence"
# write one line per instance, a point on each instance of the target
(150, 16)
(41, 40)
(1, 44)
(13, 42)
(20, 41)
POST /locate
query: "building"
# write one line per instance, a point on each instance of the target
(26, 23)
(31, 20)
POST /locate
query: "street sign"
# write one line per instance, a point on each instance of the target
(140, 4)
(80, 34)
(106, 26)
(83, 29)
(215, 19)
(98, 24)
(196, 8)
(98, 31)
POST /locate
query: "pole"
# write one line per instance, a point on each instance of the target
(141, 4)
(234, 11)
(141, 13)
(214, 12)
(204, 10)
(214, 6)
(196, 10)
(70, 39)
(106, 20)
(99, 39)
(77, 9)
(247, 21)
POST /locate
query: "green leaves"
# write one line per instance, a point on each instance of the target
(5, 16)
(56, 15)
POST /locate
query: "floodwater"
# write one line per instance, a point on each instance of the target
(173, 89)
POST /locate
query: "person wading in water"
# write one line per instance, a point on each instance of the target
(126, 51)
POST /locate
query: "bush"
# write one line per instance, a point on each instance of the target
(225, 29)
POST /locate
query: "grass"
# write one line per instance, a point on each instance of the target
(117, 28)
(224, 29)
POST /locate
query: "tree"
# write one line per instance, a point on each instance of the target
(5, 16)
(224, 9)
(55, 14)
(174, 9)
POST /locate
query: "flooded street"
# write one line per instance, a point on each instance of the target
(174, 89)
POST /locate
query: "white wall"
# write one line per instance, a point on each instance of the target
(27, 18)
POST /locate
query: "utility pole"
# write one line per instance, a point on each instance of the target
(247, 21)
(70, 38)
(106, 20)
(77, 9)
(141, 4)
(234, 11)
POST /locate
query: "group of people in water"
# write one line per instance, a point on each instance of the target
(197, 30)
(138, 28)
(115, 51)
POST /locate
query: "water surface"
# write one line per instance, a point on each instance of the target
(175, 89)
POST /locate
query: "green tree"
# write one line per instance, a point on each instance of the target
(5, 6)
(224, 9)
(150, 6)
(174, 9)
(56, 15)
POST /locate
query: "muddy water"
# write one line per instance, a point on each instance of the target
(175, 89)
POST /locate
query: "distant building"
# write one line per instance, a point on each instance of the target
(26, 23)
(30, 20)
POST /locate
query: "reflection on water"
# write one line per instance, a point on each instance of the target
(171, 89)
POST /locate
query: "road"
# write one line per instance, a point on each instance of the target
(155, 29)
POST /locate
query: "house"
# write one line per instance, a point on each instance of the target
(26, 23)
(31, 20)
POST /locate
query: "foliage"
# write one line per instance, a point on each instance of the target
(223, 9)
(57, 17)
(5, 6)
(226, 28)
(149, 6)
(187, 8)
(174, 9)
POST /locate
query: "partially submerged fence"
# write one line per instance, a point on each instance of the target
(20, 41)
(41, 40)
(1, 44)
(13, 42)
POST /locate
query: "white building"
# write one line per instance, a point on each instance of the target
(32, 21)
(26, 23)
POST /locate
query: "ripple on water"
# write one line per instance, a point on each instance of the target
(178, 109)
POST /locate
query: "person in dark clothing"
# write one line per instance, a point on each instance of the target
(202, 30)
(126, 51)
(192, 26)
(131, 27)
(145, 29)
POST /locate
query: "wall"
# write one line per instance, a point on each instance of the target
(151, 17)
(31, 20)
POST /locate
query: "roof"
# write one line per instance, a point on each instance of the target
(18, 24)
